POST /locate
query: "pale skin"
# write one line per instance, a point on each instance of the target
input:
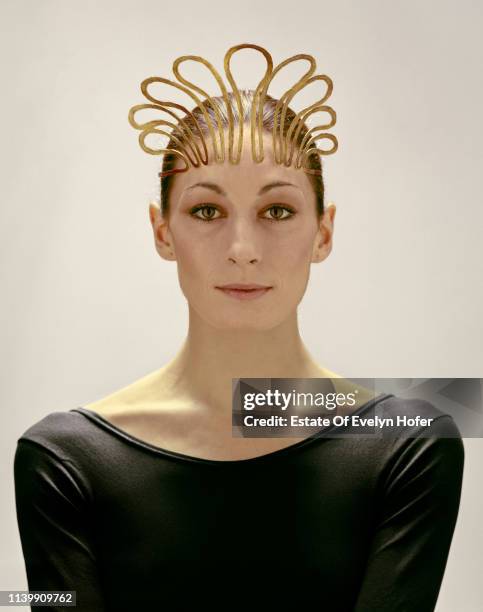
(185, 406)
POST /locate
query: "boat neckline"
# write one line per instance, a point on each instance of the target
(121, 433)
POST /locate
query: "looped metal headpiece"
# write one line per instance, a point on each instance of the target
(283, 142)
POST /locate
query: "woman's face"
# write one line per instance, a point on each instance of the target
(238, 224)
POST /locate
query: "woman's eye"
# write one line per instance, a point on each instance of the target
(206, 212)
(281, 210)
(204, 208)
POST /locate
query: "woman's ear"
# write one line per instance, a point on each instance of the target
(162, 240)
(323, 238)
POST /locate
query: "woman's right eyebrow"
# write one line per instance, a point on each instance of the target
(220, 191)
(212, 186)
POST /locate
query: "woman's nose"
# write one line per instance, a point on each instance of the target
(240, 260)
(244, 246)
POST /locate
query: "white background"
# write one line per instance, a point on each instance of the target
(88, 306)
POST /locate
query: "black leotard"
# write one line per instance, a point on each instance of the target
(337, 524)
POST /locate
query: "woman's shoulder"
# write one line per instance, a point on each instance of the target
(413, 417)
(60, 433)
(53, 459)
(66, 430)
(418, 441)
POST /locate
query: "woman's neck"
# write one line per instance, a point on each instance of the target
(210, 358)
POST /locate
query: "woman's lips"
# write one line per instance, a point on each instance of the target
(244, 294)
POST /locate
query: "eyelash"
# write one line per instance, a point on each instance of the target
(194, 210)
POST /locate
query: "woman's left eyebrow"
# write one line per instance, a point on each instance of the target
(263, 190)
(276, 184)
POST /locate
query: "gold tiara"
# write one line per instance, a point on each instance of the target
(184, 138)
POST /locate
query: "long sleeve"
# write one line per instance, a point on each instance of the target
(414, 529)
(53, 521)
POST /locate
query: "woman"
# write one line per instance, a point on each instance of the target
(143, 500)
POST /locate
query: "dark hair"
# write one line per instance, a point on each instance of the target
(247, 95)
